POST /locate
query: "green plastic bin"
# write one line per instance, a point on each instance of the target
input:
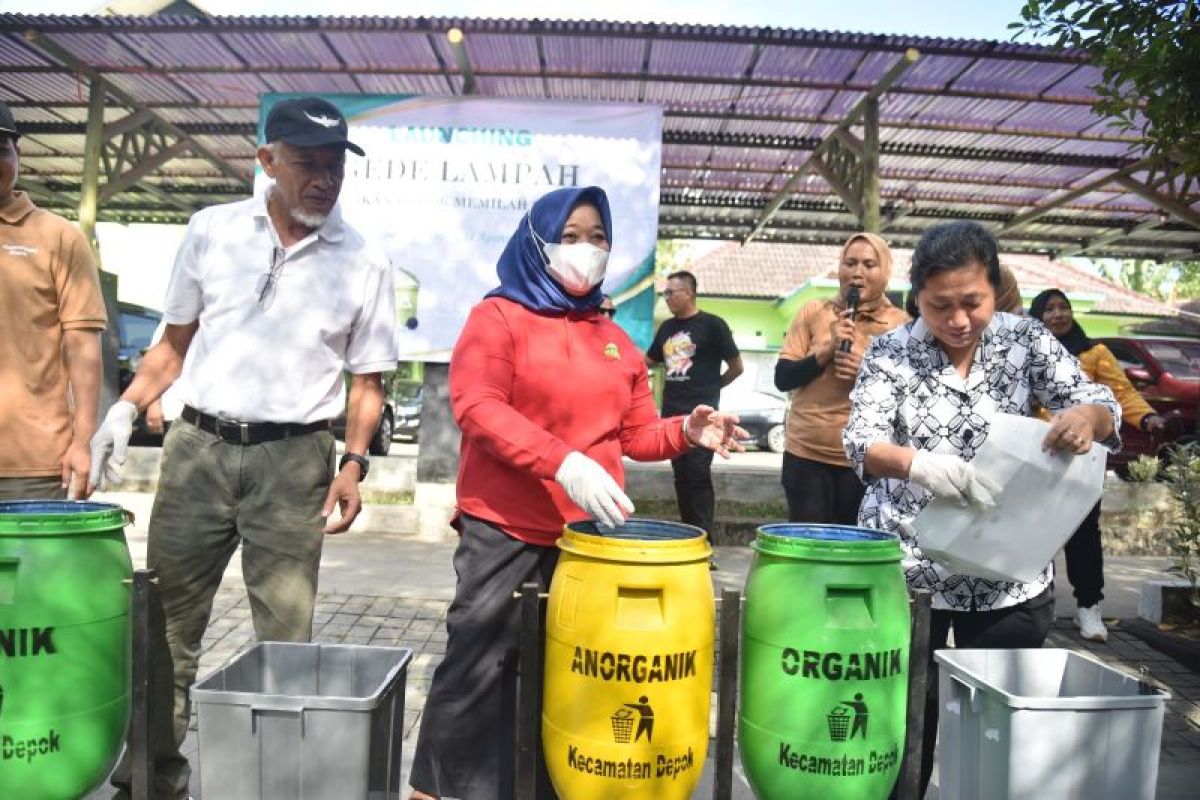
(826, 631)
(64, 646)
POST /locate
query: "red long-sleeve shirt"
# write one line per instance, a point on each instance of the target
(527, 389)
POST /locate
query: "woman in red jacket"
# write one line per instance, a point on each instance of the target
(549, 394)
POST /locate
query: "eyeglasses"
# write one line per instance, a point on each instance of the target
(612, 312)
(668, 292)
(265, 288)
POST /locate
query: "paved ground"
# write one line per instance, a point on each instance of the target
(388, 589)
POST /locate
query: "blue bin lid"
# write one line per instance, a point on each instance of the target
(54, 506)
(645, 530)
(28, 517)
(826, 533)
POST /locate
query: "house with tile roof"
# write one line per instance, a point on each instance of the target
(757, 288)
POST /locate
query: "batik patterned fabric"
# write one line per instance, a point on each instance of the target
(908, 393)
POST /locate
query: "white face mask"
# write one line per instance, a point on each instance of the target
(578, 267)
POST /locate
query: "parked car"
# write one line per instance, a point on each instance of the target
(401, 414)
(381, 440)
(135, 332)
(1167, 373)
(136, 328)
(407, 401)
(762, 414)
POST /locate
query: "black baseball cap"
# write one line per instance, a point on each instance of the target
(309, 122)
(7, 123)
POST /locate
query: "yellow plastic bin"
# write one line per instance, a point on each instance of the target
(629, 661)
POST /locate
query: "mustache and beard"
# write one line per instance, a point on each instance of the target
(307, 218)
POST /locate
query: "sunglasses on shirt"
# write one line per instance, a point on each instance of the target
(612, 312)
(269, 280)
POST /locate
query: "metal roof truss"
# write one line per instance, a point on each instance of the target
(771, 134)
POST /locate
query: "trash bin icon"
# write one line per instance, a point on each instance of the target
(839, 723)
(622, 724)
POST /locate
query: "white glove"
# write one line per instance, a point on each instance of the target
(949, 476)
(110, 445)
(593, 490)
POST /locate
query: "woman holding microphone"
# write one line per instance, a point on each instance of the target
(821, 353)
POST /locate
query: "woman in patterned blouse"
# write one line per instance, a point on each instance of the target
(919, 414)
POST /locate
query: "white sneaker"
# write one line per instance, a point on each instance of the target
(1091, 626)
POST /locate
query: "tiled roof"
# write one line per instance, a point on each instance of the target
(761, 269)
(772, 270)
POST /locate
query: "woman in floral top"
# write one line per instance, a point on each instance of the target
(919, 414)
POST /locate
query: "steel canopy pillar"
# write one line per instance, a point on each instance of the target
(871, 220)
(89, 202)
(89, 193)
(435, 494)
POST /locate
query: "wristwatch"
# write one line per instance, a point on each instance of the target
(363, 464)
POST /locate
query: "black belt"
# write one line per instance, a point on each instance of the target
(236, 432)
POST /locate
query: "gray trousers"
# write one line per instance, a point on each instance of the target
(41, 488)
(213, 496)
(467, 745)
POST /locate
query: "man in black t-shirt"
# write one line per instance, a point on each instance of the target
(692, 345)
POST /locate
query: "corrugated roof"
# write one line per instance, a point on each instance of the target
(983, 129)
(766, 270)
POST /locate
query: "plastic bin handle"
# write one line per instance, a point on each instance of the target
(277, 705)
(972, 692)
(8, 579)
(294, 705)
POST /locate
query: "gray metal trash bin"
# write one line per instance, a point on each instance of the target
(303, 722)
(1044, 723)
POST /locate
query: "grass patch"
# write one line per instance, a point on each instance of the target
(387, 498)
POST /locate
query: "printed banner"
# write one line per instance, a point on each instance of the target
(446, 179)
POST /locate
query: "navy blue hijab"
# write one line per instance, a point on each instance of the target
(522, 268)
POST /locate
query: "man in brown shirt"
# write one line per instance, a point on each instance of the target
(818, 365)
(51, 313)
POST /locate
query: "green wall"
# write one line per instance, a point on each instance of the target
(756, 324)
(1110, 324)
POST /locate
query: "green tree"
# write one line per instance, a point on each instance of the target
(1142, 276)
(1187, 283)
(1174, 280)
(1149, 51)
(669, 256)
(1183, 473)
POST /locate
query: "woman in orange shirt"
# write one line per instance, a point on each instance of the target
(817, 365)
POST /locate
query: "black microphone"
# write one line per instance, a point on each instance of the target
(852, 306)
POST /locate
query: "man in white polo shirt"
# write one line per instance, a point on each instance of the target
(271, 299)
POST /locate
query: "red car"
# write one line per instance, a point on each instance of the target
(1167, 373)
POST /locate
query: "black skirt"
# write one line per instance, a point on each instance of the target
(467, 744)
